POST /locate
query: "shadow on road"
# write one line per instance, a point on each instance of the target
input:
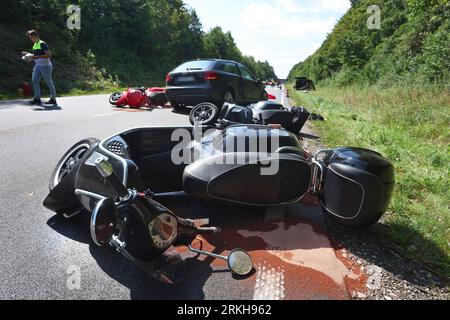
(183, 111)
(14, 103)
(189, 276)
(25, 103)
(47, 108)
(241, 227)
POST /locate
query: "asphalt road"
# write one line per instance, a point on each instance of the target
(43, 257)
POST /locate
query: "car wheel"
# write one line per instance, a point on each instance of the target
(228, 97)
(115, 97)
(204, 114)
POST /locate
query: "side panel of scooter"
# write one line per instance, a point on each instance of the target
(282, 117)
(61, 198)
(357, 185)
(135, 98)
(89, 179)
(285, 180)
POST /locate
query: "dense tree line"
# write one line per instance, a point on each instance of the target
(221, 45)
(137, 40)
(412, 45)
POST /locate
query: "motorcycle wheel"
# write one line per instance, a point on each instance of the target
(204, 114)
(115, 97)
(70, 162)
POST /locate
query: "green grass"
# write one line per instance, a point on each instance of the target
(411, 128)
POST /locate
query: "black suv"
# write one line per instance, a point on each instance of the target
(213, 80)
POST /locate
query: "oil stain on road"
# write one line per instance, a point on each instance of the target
(293, 256)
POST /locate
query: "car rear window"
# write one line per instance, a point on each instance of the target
(200, 65)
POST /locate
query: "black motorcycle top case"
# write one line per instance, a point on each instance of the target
(357, 185)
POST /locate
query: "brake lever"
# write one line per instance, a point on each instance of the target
(188, 231)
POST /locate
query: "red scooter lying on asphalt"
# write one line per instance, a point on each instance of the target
(139, 98)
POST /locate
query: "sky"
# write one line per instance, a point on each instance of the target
(283, 32)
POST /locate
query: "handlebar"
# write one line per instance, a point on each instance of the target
(208, 230)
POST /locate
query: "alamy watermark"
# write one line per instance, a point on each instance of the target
(374, 20)
(242, 146)
(73, 281)
(74, 20)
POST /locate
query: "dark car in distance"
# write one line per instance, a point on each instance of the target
(213, 80)
(303, 83)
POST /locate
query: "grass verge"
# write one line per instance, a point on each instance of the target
(410, 127)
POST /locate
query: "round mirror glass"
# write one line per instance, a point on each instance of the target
(240, 262)
(103, 221)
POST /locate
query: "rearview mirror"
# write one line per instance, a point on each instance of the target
(240, 262)
(103, 222)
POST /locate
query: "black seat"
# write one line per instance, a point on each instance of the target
(249, 183)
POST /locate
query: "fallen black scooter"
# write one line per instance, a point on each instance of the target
(137, 226)
(119, 180)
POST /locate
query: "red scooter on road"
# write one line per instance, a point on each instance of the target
(139, 98)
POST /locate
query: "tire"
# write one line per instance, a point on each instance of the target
(204, 114)
(114, 98)
(71, 161)
(228, 96)
(78, 150)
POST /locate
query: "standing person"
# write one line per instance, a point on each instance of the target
(43, 68)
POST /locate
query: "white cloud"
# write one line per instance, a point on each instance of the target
(269, 20)
(314, 6)
(284, 32)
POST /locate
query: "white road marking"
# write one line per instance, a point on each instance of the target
(105, 114)
(269, 283)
